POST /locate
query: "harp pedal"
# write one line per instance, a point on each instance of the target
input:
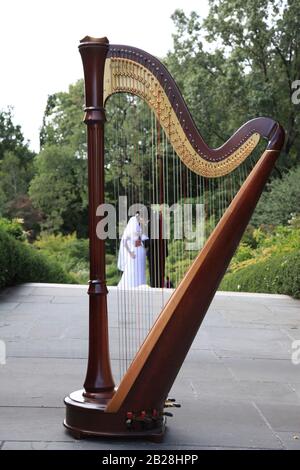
(171, 403)
(143, 418)
(129, 420)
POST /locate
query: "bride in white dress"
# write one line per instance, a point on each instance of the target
(132, 255)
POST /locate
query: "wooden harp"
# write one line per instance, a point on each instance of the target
(136, 407)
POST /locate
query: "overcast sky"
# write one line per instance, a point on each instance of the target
(39, 40)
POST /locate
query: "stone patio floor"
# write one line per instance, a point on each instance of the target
(238, 386)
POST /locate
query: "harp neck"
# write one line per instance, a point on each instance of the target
(131, 70)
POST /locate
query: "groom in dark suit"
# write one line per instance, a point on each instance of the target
(157, 250)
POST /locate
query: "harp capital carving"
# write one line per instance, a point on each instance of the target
(93, 53)
(94, 41)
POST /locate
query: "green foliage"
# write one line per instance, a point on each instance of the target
(16, 163)
(22, 208)
(248, 71)
(14, 176)
(59, 189)
(22, 263)
(281, 200)
(128, 148)
(13, 228)
(268, 242)
(62, 122)
(113, 275)
(279, 274)
(11, 137)
(71, 253)
(273, 267)
(244, 253)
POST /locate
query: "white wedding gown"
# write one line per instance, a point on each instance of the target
(134, 268)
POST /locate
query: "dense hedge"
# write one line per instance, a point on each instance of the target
(279, 274)
(20, 262)
(280, 202)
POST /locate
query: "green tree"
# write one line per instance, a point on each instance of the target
(16, 162)
(14, 176)
(281, 201)
(62, 121)
(59, 189)
(249, 71)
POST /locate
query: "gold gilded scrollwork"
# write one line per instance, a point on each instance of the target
(124, 75)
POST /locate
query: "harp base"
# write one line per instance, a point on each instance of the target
(86, 418)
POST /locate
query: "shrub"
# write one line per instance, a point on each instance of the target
(282, 199)
(279, 274)
(269, 242)
(13, 228)
(20, 262)
(70, 252)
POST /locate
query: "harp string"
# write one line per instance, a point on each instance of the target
(144, 167)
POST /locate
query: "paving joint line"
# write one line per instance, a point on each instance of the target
(268, 425)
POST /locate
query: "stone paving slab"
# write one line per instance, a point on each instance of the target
(238, 387)
(263, 370)
(96, 445)
(290, 440)
(281, 417)
(69, 348)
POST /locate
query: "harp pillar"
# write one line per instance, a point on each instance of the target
(99, 384)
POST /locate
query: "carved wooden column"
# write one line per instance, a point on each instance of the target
(99, 383)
